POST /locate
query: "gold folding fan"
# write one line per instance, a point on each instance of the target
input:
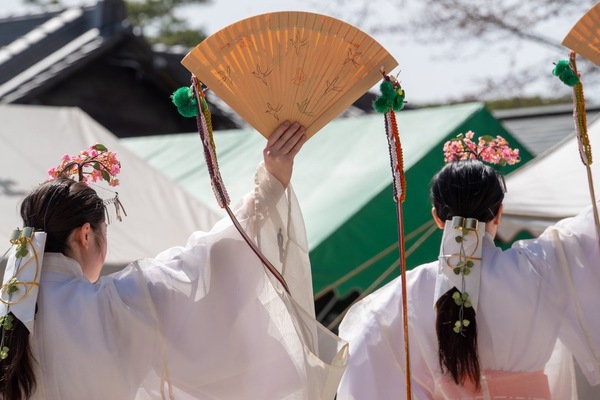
(584, 37)
(295, 66)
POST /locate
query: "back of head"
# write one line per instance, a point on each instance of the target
(59, 206)
(467, 189)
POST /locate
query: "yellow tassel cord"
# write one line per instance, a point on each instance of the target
(585, 148)
(210, 151)
(207, 116)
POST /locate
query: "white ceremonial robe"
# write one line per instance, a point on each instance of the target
(204, 321)
(534, 295)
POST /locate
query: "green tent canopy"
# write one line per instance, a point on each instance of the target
(343, 181)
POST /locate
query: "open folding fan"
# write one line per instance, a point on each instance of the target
(295, 66)
(584, 37)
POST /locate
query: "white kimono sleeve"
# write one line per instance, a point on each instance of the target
(228, 329)
(568, 255)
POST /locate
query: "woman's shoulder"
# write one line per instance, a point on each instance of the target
(423, 274)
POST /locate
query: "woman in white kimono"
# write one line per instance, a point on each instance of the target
(490, 332)
(203, 321)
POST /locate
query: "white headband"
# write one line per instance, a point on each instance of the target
(460, 261)
(22, 276)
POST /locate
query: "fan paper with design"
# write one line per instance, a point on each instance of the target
(584, 37)
(294, 66)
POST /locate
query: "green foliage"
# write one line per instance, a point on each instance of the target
(12, 288)
(99, 147)
(21, 250)
(182, 37)
(156, 19)
(160, 16)
(4, 353)
(41, 2)
(6, 322)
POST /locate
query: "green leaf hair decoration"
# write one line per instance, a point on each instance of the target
(185, 101)
(564, 71)
(392, 97)
(464, 266)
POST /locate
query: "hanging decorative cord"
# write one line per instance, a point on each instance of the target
(191, 101)
(463, 267)
(566, 71)
(391, 100)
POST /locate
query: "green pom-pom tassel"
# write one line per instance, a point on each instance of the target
(392, 98)
(560, 67)
(570, 79)
(380, 105)
(387, 90)
(565, 73)
(398, 103)
(185, 101)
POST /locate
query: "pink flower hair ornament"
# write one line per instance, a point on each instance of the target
(90, 165)
(94, 164)
(489, 149)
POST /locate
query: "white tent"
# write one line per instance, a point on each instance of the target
(160, 214)
(552, 186)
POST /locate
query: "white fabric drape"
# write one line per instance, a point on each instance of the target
(203, 321)
(535, 297)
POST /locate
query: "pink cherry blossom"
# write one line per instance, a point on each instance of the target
(91, 165)
(488, 149)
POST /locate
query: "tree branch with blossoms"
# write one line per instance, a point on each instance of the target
(489, 149)
(103, 163)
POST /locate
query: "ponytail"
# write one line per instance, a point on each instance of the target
(457, 352)
(17, 380)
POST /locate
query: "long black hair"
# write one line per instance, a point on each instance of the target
(468, 189)
(57, 208)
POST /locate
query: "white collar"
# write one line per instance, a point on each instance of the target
(449, 250)
(58, 262)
